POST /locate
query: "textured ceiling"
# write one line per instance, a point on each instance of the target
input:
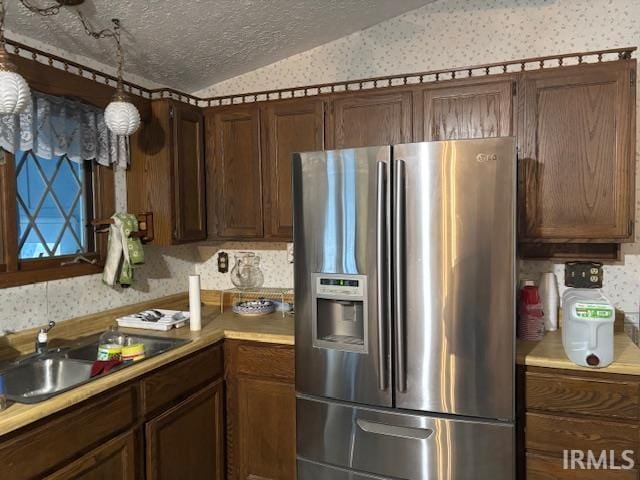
(191, 44)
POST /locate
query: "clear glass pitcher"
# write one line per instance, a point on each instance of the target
(246, 271)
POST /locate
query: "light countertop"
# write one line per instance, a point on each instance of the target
(549, 353)
(274, 328)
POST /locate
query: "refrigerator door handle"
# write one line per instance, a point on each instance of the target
(394, 430)
(399, 274)
(381, 223)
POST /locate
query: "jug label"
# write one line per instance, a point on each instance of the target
(593, 311)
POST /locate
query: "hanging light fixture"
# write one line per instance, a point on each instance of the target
(14, 89)
(121, 115)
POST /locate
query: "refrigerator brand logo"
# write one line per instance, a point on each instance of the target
(486, 157)
(603, 460)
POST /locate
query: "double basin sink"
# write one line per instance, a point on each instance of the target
(38, 377)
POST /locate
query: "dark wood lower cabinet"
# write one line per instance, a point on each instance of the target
(169, 424)
(186, 441)
(116, 459)
(266, 430)
(589, 413)
(261, 426)
(166, 425)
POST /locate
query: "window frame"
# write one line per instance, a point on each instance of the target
(15, 272)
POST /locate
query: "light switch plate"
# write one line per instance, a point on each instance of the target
(290, 252)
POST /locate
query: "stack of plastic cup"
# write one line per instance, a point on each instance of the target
(530, 314)
(550, 298)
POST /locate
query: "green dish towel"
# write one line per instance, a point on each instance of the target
(123, 251)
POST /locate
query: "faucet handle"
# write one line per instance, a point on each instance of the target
(48, 327)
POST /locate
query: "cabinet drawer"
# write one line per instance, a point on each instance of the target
(552, 434)
(181, 378)
(53, 443)
(540, 467)
(275, 361)
(577, 395)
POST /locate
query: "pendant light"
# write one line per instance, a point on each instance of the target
(14, 89)
(121, 115)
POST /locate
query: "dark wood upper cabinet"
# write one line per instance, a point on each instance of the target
(166, 176)
(368, 119)
(575, 128)
(287, 127)
(464, 109)
(235, 172)
(186, 441)
(189, 173)
(577, 141)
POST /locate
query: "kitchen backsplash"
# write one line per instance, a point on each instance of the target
(278, 272)
(165, 272)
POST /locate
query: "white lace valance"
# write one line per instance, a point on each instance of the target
(53, 126)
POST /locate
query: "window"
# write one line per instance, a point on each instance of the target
(53, 199)
(56, 175)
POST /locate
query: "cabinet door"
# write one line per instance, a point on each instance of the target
(235, 176)
(464, 110)
(114, 459)
(576, 164)
(370, 119)
(287, 127)
(186, 440)
(266, 429)
(189, 174)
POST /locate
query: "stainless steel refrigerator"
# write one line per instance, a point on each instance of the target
(405, 294)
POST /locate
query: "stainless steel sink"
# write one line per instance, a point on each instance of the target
(87, 348)
(38, 379)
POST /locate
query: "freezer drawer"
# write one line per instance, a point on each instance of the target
(399, 445)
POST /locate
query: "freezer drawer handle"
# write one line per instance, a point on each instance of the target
(381, 281)
(399, 275)
(394, 430)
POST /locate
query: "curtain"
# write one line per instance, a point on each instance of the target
(53, 126)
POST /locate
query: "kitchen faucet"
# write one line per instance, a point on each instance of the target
(43, 338)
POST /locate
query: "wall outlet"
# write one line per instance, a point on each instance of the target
(290, 252)
(223, 262)
(583, 274)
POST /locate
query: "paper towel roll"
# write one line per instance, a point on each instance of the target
(195, 313)
(550, 299)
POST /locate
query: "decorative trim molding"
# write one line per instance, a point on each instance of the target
(432, 76)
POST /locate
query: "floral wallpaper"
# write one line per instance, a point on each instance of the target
(452, 33)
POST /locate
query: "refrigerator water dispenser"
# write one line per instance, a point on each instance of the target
(340, 312)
